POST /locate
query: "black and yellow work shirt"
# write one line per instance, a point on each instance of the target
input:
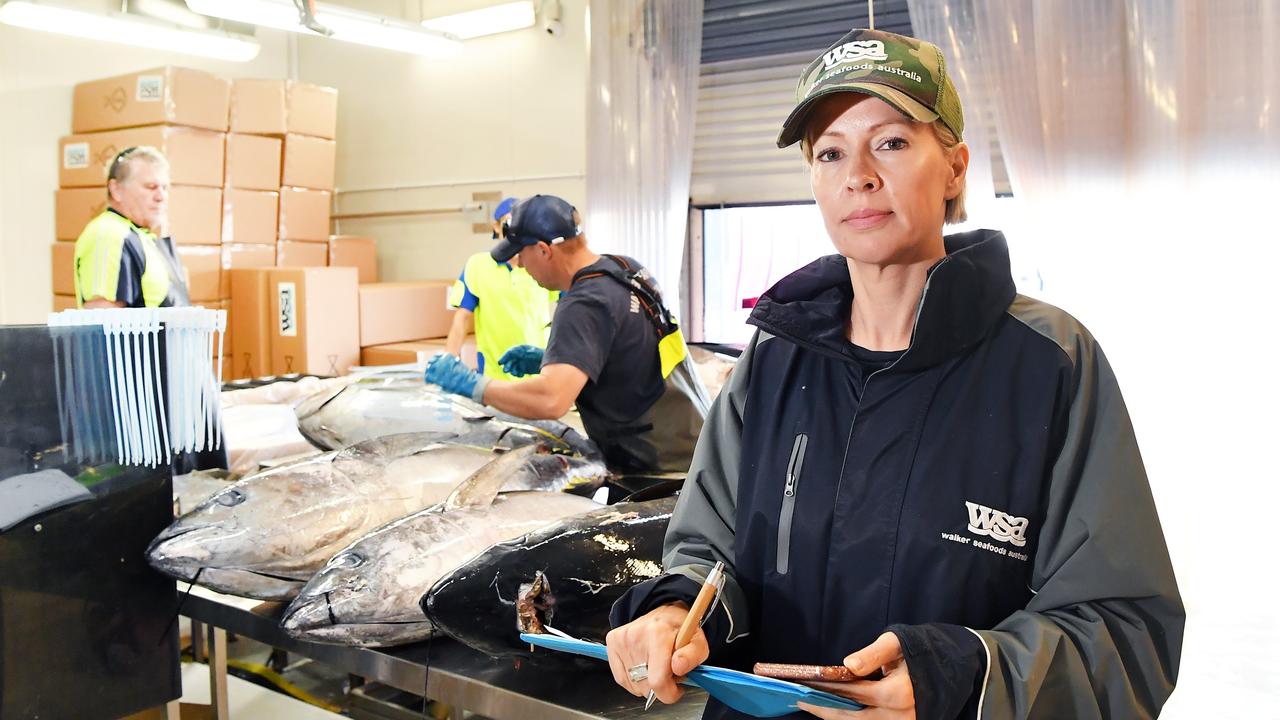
(119, 261)
(642, 421)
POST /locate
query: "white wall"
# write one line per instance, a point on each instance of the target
(37, 73)
(507, 115)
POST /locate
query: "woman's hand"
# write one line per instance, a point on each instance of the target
(889, 698)
(648, 640)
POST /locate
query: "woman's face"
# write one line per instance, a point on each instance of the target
(881, 180)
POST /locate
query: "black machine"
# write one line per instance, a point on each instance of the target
(87, 629)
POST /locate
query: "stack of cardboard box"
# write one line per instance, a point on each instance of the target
(302, 118)
(252, 171)
(298, 316)
(402, 321)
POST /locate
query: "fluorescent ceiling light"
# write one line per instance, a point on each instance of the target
(127, 30)
(347, 25)
(485, 21)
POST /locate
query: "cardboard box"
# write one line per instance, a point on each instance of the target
(75, 207)
(195, 215)
(278, 107)
(314, 320)
(235, 257)
(293, 253)
(312, 110)
(401, 311)
(308, 162)
(414, 352)
(354, 251)
(250, 216)
(170, 95)
(202, 268)
(253, 162)
(258, 107)
(195, 156)
(249, 318)
(64, 268)
(64, 302)
(304, 215)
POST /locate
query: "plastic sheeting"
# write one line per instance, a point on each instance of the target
(640, 112)
(1142, 139)
(260, 424)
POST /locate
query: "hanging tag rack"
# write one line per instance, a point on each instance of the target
(160, 391)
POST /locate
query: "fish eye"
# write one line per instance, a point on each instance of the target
(231, 497)
(347, 560)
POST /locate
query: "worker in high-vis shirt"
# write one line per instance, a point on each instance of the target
(124, 257)
(507, 308)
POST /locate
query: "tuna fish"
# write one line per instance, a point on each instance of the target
(267, 534)
(389, 402)
(566, 575)
(367, 595)
(193, 488)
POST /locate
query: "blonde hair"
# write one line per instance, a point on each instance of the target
(121, 166)
(954, 212)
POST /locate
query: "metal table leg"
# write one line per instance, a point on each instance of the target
(218, 673)
(197, 641)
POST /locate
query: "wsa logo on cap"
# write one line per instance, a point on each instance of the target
(855, 51)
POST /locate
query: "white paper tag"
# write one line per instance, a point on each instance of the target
(75, 156)
(150, 88)
(288, 309)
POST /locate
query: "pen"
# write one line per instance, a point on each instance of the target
(694, 619)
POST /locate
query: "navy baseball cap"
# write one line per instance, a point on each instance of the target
(504, 208)
(541, 218)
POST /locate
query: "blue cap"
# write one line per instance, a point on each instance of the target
(504, 208)
(541, 218)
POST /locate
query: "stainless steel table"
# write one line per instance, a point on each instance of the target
(548, 685)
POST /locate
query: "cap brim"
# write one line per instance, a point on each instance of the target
(505, 250)
(793, 126)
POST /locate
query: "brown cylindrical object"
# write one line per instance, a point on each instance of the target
(805, 673)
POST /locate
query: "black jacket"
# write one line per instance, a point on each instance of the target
(982, 497)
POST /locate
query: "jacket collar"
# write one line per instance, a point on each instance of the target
(966, 293)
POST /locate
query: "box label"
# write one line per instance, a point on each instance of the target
(75, 156)
(288, 309)
(150, 88)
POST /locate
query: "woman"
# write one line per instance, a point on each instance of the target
(914, 471)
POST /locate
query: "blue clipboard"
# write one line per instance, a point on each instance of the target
(751, 694)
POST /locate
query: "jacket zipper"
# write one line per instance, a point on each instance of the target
(794, 466)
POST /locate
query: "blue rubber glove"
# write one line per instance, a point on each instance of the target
(522, 360)
(451, 375)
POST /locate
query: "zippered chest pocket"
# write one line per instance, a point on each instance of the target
(794, 467)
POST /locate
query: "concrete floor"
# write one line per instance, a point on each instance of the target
(247, 700)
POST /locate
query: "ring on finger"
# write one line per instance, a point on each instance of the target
(638, 673)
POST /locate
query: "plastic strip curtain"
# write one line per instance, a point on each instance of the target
(1142, 139)
(645, 56)
(115, 402)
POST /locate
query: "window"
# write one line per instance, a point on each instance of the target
(745, 250)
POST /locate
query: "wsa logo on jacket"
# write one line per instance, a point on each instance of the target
(998, 525)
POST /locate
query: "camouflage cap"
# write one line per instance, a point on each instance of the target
(907, 73)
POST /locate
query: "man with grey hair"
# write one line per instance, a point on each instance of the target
(124, 257)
